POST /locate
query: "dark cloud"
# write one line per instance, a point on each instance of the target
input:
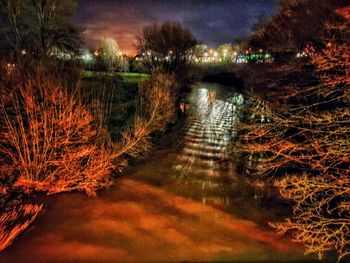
(212, 22)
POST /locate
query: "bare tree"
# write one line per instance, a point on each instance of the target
(42, 26)
(53, 28)
(11, 23)
(297, 24)
(166, 46)
(304, 148)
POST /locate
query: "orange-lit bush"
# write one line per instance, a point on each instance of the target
(50, 139)
(13, 222)
(298, 139)
(321, 214)
(303, 144)
(157, 99)
(159, 95)
(52, 142)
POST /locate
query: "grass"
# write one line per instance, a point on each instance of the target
(121, 90)
(129, 77)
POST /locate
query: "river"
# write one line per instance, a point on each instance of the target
(185, 203)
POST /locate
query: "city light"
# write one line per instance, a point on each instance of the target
(87, 57)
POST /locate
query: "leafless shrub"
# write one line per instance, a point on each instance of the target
(321, 214)
(11, 226)
(50, 139)
(158, 94)
(51, 142)
(166, 46)
(310, 141)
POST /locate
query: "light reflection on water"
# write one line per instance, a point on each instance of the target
(203, 167)
(204, 162)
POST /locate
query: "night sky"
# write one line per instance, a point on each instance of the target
(212, 22)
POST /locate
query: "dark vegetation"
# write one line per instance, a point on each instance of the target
(296, 133)
(226, 79)
(39, 27)
(167, 47)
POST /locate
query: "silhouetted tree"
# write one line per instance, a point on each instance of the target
(166, 46)
(198, 52)
(297, 24)
(11, 23)
(41, 26)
